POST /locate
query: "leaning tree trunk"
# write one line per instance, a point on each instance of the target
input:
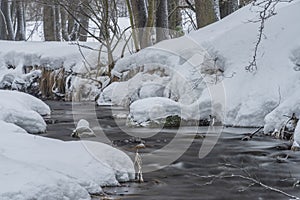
(205, 13)
(162, 22)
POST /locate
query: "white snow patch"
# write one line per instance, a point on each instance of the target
(42, 168)
(23, 110)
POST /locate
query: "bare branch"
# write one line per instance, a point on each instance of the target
(247, 177)
(267, 10)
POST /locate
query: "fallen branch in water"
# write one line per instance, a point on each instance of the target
(254, 181)
(249, 137)
(247, 177)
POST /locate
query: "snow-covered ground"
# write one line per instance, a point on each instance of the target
(194, 76)
(15, 57)
(34, 167)
(185, 75)
(80, 60)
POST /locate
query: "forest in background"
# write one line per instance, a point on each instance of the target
(72, 20)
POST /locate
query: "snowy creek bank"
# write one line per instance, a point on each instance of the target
(204, 73)
(36, 167)
(52, 70)
(229, 171)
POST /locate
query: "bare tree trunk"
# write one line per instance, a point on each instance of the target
(73, 26)
(244, 2)
(71, 23)
(205, 13)
(133, 27)
(140, 16)
(146, 40)
(162, 22)
(175, 16)
(228, 7)
(57, 21)
(21, 32)
(64, 28)
(140, 12)
(3, 29)
(6, 10)
(106, 35)
(217, 9)
(84, 21)
(49, 23)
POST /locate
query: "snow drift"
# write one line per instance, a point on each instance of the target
(184, 69)
(34, 167)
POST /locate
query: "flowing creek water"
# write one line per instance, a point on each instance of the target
(234, 169)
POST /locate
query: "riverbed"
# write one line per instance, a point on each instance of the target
(261, 168)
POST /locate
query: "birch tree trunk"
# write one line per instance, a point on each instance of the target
(6, 10)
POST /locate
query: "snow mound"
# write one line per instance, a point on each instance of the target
(43, 168)
(52, 55)
(152, 109)
(23, 110)
(72, 169)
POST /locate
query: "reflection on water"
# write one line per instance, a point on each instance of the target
(225, 173)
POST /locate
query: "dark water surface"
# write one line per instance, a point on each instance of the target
(234, 169)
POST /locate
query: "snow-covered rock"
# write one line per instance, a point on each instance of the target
(23, 110)
(151, 109)
(83, 129)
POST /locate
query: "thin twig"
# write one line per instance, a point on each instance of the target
(268, 10)
(253, 180)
